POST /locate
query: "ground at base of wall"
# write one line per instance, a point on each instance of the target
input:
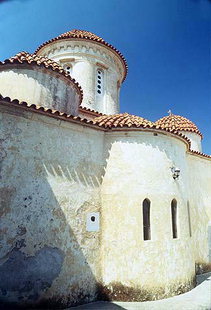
(116, 291)
(203, 268)
(198, 298)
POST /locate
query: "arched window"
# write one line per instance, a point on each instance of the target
(174, 218)
(99, 81)
(146, 219)
(189, 218)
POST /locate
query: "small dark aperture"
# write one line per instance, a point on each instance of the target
(93, 218)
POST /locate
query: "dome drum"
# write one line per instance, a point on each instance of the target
(87, 54)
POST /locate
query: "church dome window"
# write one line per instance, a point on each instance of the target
(99, 81)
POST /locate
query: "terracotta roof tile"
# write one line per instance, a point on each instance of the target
(25, 57)
(88, 110)
(176, 123)
(85, 35)
(100, 122)
(122, 120)
(199, 154)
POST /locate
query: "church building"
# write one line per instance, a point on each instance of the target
(95, 204)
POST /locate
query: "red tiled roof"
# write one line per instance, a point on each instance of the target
(85, 35)
(177, 123)
(90, 111)
(199, 154)
(25, 57)
(122, 120)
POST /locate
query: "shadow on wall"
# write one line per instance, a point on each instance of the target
(48, 259)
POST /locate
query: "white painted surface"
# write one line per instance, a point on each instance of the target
(40, 87)
(50, 174)
(139, 167)
(93, 221)
(195, 140)
(85, 58)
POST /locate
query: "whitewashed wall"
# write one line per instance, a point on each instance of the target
(37, 86)
(199, 170)
(139, 167)
(195, 140)
(55, 175)
(50, 173)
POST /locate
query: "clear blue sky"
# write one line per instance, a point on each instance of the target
(166, 44)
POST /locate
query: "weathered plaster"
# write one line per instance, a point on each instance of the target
(50, 181)
(40, 87)
(200, 205)
(139, 167)
(85, 58)
(53, 173)
(195, 140)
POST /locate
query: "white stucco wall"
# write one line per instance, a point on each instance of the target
(50, 173)
(195, 140)
(85, 57)
(38, 87)
(199, 170)
(139, 167)
(56, 174)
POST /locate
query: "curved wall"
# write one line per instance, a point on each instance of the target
(84, 59)
(37, 86)
(139, 167)
(195, 140)
(51, 173)
(200, 208)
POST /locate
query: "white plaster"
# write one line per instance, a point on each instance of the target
(40, 88)
(139, 168)
(195, 140)
(86, 57)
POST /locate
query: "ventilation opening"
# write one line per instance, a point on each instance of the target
(99, 81)
(68, 68)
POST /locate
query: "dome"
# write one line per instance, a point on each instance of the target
(122, 120)
(85, 35)
(177, 123)
(25, 57)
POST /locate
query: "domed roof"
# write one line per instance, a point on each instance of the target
(85, 35)
(122, 120)
(177, 123)
(25, 57)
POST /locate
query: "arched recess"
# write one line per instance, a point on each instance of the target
(146, 219)
(174, 218)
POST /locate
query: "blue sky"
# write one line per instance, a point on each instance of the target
(166, 44)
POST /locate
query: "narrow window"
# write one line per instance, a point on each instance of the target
(99, 82)
(189, 219)
(174, 218)
(146, 219)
